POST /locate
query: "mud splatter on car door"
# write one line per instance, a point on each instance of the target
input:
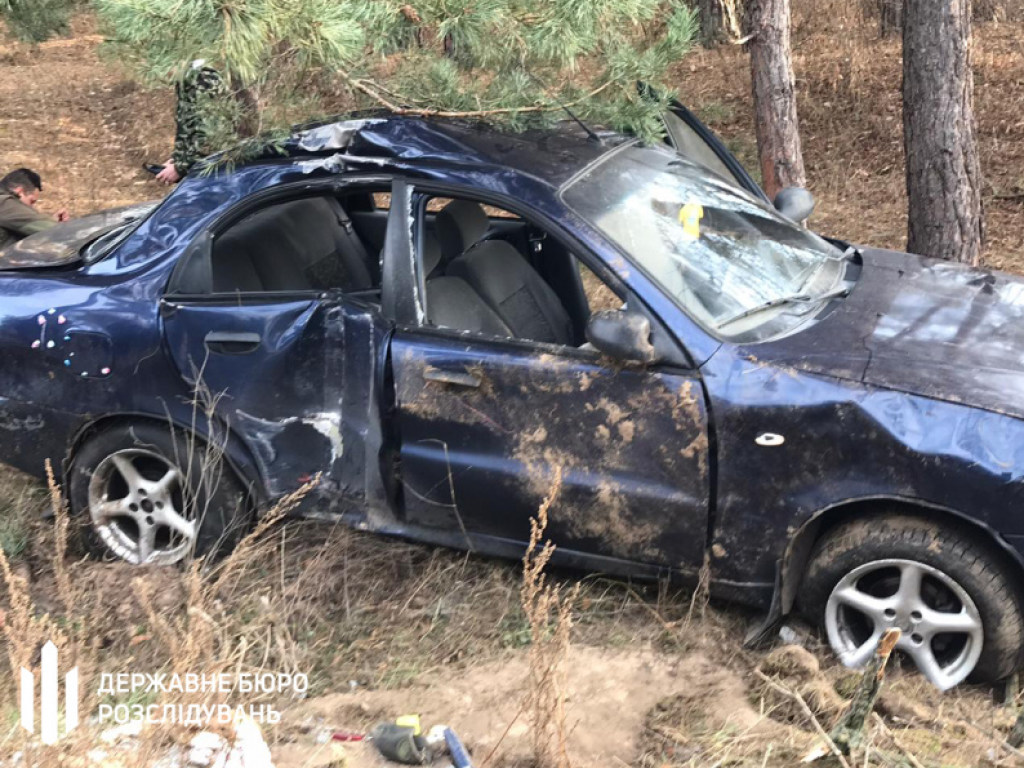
(485, 422)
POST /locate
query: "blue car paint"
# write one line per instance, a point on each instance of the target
(858, 423)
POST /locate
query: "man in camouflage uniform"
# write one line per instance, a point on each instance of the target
(19, 192)
(195, 116)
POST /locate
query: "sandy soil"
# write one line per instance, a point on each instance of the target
(610, 693)
(69, 115)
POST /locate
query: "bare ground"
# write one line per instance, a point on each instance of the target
(385, 628)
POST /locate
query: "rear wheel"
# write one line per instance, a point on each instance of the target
(146, 496)
(949, 594)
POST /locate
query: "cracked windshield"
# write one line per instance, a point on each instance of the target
(721, 254)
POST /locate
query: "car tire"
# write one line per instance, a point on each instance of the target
(143, 495)
(863, 574)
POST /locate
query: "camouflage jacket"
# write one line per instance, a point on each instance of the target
(197, 90)
(18, 220)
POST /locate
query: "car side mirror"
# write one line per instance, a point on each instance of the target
(795, 203)
(622, 334)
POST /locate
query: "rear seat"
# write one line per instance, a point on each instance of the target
(294, 246)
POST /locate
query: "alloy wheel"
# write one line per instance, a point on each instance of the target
(941, 629)
(138, 505)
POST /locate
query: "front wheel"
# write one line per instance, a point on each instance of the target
(949, 594)
(152, 497)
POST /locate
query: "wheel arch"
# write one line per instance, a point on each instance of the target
(798, 551)
(236, 454)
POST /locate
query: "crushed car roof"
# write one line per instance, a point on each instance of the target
(554, 154)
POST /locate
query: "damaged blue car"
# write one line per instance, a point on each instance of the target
(434, 320)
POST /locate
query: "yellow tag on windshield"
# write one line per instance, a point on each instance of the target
(690, 216)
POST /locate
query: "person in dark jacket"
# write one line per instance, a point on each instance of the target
(19, 193)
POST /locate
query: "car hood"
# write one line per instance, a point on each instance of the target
(922, 326)
(63, 243)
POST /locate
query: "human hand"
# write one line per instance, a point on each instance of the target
(61, 215)
(169, 175)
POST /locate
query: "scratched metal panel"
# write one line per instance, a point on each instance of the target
(276, 396)
(921, 326)
(845, 441)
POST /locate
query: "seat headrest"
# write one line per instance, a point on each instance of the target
(459, 226)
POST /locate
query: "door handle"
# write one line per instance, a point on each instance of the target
(458, 378)
(231, 343)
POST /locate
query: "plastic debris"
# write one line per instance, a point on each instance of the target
(460, 756)
(247, 750)
(204, 748)
(347, 736)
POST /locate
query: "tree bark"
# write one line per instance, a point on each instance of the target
(774, 91)
(709, 15)
(890, 17)
(249, 109)
(939, 133)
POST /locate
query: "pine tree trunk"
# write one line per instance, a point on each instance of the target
(943, 172)
(248, 107)
(709, 15)
(890, 17)
(774, 91)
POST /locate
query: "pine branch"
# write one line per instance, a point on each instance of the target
(364, 88)
(474, 59)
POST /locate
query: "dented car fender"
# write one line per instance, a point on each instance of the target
(848, 448)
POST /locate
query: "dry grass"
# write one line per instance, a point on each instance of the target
(356, 610)
(345, 608)
(549, 614)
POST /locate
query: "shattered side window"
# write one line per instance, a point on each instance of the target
(599, 296)
(691, 146)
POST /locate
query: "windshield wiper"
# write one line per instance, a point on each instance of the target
(794, 298)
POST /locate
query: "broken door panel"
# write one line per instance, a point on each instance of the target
(274, 369)
(486, 425)
(362, 475)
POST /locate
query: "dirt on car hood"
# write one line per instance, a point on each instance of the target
(62, 244)
(922, 326)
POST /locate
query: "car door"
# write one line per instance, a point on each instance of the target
(490, 426)
(260, 359)
(274, 360)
